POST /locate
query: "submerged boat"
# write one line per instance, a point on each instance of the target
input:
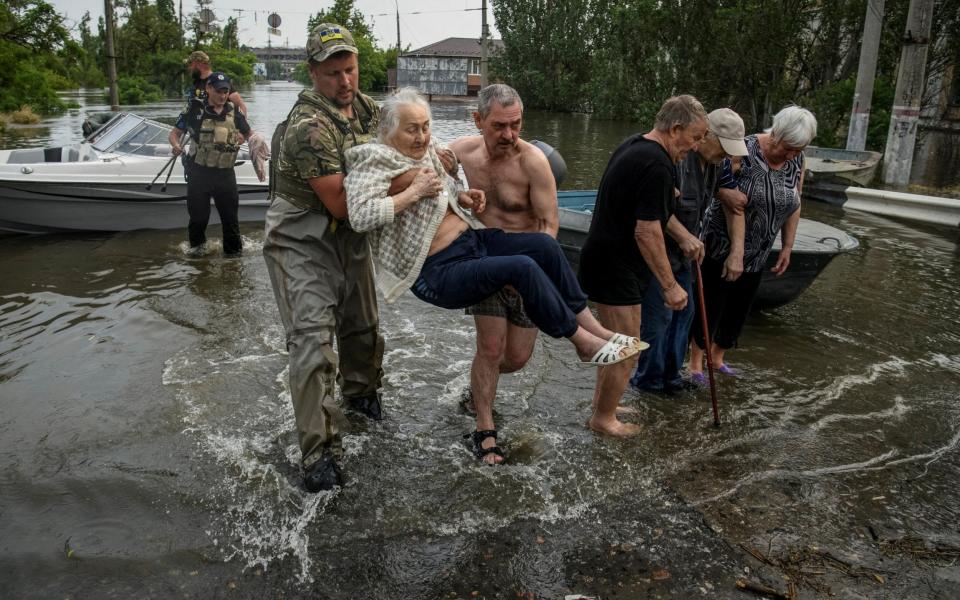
(828, 172)
(102, 183)
(833, 165)
(815, 246)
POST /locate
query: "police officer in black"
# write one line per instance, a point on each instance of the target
(216, 129)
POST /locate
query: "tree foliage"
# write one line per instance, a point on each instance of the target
(373, 61)
(35, 55)
(622, 58)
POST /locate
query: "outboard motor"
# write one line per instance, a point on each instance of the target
(95, 121)
(557, 165)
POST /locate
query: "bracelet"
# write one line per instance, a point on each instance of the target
(671, 286)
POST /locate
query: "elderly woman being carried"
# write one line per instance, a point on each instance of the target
(426, 238)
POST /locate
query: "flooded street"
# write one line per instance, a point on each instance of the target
(147, 444)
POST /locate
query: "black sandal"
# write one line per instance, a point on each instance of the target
(478, 450)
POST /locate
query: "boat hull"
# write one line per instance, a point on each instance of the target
(37, 207)
(838, 166)
(815, 246)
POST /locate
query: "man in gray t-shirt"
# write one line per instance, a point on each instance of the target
(667, 331)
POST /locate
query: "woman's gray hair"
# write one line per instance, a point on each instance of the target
(501, 93)
(794, 126)
(683, 110)
(389, 112)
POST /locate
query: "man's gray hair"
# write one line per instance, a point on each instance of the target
(389, 112)
(793, 126)
(683, 110)
(501, 93)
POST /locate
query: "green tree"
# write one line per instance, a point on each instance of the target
(343, 13)
(622, 58)
(274, 69)
(373, 61)
(33, 44)
(166, 11)
(148, 46)
(229, 39)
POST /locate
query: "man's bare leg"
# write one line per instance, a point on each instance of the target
(501, 348)
(520, 343)
(485, 373)
(612, 380)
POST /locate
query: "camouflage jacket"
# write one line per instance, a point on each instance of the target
(316, 137)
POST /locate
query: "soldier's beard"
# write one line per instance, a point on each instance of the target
(344, 103)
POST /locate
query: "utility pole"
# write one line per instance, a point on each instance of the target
(902, 136)
(111, 56)
(484, 59)
(398, 27)
(863, 96)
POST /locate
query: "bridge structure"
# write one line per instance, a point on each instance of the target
(289, 58)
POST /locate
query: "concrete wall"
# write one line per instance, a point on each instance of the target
(937, 155)
(937, 152)
(433, 75)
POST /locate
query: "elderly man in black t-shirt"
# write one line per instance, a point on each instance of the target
(625, 251)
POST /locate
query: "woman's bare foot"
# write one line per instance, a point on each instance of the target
(613, 427)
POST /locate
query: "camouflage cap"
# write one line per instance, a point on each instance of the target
(327, 39)
(197, 56)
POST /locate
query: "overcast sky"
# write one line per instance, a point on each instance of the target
(437, 19)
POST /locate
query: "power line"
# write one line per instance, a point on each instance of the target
(386, 14)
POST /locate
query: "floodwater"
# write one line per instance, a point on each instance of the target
(147, 445)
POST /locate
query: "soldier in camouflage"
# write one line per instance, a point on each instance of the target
(320, 268)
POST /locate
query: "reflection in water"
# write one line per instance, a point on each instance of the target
(146, 428)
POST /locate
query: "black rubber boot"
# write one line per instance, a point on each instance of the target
(322, 475)
(368, 404)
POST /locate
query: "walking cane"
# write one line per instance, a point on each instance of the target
(707, 343)
(162, 169)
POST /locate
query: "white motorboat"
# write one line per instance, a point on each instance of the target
(103, 183)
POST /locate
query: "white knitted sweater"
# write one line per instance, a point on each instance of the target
(399, 243)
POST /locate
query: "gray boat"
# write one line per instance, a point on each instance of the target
(829, 171)
(815, 246)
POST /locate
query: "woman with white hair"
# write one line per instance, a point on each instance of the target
(770, 178)
(426, 238)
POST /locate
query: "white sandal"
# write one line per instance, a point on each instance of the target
(609, 354)
(629, 341)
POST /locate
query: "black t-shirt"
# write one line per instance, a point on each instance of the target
(638, 184)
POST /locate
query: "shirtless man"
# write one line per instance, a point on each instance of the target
(521, 195)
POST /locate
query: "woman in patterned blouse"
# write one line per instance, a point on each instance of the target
(754, 204)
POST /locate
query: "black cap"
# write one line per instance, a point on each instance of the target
(219, 81)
